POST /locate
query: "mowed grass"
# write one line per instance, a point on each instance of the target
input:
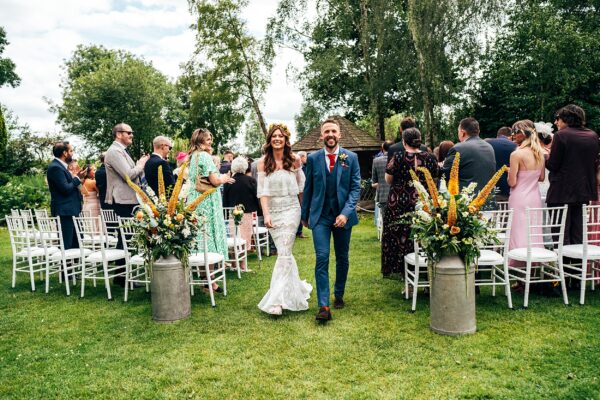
(54, 346)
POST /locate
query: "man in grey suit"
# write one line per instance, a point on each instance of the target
(119, 164)
(378, 179)
(477, 159)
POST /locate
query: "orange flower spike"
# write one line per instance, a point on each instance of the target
(161, 186)
(176, 190)
(452, 212)
(145, 199)
(433, 193)
(192, 206)
(413, 175)
(482, 196)
(453, 183)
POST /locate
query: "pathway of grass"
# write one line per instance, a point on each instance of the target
(53, 346)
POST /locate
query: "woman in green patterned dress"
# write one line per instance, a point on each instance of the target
(201, 164)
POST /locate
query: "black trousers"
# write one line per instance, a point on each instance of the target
(123, 211)
(67, 228)
(574, 223)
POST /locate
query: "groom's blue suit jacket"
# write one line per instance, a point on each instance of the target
(348, 187)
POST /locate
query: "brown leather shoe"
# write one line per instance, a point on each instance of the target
(324, 314)
(338, 303)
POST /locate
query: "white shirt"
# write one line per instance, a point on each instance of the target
(336, 152)
(64, 164)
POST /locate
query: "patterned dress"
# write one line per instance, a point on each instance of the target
(202, 164)
(395, 241)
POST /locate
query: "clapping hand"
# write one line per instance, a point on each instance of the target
(82, 174)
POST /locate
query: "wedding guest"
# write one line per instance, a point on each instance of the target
(443, 150)
(162, 146)
(89, 189)
(526, 170)
(242, 191)
(181, 158)
(202, 165)
(101, 183)
(544, 131)
(382, 188)
(74, 167)
(395, 241)
(572, 166)
(477, 159)
(225, 166)
(503, 148)
(406, 123)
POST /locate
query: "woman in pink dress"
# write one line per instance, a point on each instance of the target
(89, 190)
(526, 171)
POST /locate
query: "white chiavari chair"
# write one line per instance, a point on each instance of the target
(415, 274)
(201, 273)
(236, 246)
(135, 264)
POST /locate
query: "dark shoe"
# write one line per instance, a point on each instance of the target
(324, 314)
(338, 303)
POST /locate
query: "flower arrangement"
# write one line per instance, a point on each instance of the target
(450, 221)
(165, 228)
(238, 214)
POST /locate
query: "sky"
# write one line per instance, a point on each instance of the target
(44, 33)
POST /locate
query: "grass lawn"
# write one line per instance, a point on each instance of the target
(54, 346)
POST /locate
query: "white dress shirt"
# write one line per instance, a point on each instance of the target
(336, 152)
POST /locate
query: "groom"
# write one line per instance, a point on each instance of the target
(331, 192)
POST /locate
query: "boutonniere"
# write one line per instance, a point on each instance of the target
(343, 157)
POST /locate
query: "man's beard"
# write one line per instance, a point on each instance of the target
(326, 141)
(69, 159)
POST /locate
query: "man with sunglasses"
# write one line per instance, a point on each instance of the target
(162, 146)
(119, 164)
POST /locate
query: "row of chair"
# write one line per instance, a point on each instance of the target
(39, 248)
(545, 259)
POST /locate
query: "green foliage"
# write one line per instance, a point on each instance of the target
(103, 87)
(253, 136)
(547, 56)
(240, 60)
(209, 100)
(30, 191)
(310, 116)
(3, 135)
(8, 76)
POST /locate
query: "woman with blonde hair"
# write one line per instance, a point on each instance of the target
(527, 168)
(202, 165)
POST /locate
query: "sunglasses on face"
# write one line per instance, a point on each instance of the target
(130, 133)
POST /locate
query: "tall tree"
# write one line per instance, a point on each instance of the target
(546, 56)
(103, 87)
(309, 117)
(240, 58)
(8, 76)
(211, 101)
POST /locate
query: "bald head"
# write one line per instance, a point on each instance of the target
(162, 146)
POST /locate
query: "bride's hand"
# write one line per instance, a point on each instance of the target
(268, 222)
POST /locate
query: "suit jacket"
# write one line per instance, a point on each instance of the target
(503, 148)
(65, 197)
(572, 166)
(151, 173)
(118, 165)
(242, 191)
(477, 162)
(378, 176)
(101, 185)
(348, 187)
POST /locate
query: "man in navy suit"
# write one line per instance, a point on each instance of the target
(65, 198)
(503, 147)
(331, 192)
(162, 146)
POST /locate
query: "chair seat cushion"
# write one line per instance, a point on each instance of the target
(101, 238)
(490, 257)
(410, 258)
(537, 254)
(198, 259)
(137, 259)
(111, 255)
(240, 242)
(576, 251)
(71, 254)
(37, 251)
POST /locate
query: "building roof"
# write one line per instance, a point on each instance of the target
(353, 138)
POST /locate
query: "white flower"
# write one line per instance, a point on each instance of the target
(469, 189)
(443, 187)
(186, 232)
(424, 216)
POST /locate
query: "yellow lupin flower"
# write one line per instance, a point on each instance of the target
(452, 212)
(453, 183)
(415, 178)
(176, 190)
(482, 196)
(433, 193)
(161, 186)
(145, 199)
(192, 206)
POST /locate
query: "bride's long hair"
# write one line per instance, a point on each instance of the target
(288, 158)
(531, 138)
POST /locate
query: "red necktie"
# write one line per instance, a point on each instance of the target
(331, 162)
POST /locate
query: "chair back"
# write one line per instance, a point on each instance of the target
(41, 213)
(87, 233)
(21, 238)
(546, 227)
(15, 213)
(85, 213)
(127, 231)
(591, 225)
(50, 232)
(502, 205)
(501, 221)
(110, 222)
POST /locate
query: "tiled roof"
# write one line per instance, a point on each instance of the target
(353, 138)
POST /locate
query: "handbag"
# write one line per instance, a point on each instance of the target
(203, 184)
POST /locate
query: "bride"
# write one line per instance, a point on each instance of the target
(280, 188)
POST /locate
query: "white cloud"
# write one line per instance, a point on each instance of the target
(42, 34)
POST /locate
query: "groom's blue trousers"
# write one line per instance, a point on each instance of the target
(322, 232)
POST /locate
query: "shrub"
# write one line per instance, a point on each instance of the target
(30, 191)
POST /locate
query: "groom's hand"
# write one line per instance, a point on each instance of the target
(340, 221)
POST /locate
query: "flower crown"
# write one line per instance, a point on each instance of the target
(282, 127)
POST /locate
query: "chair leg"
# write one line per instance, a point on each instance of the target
(563, 285)
(493, 277)
(14, 272)
(415, 288)
(507, 286)
(583, 282)
(31, 275)
(66, 274)
(82, 279)
(237, 262)
(210, 282)
(127, 276)
(106, 280)
(47, 276)
(527, 284)
(405, 280)
(224, 280)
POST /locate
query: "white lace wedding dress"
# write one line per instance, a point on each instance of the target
(287, 291)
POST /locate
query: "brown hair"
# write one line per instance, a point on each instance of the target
(288, 158)
(199, 136)
(445, 147)
(331, 121)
